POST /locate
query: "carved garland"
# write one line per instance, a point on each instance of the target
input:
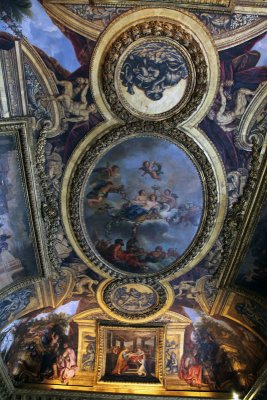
(49, 202)
(155, 29)
(210, 195)
(161, 292)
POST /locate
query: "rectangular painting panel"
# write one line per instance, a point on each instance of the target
(19, 255)
(130, 354)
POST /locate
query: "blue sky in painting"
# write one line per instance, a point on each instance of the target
(179, 175)
(261, 46)
(43, 33)
(68, 309)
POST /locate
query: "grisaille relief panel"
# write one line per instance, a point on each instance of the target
(152, 77)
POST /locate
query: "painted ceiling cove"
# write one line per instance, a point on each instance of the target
(132, 199)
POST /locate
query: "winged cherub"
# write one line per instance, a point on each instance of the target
(152, 168)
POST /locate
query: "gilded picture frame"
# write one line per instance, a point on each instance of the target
(20, 197)
(130, 353)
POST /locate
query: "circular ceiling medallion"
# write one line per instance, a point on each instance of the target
(154, 78)
(143, 203)
(155, 70)
(134, 299)
(155, 64)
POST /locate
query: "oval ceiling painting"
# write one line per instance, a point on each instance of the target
(143, 203)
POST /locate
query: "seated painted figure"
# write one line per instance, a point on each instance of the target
(142, 210)
(153, 67)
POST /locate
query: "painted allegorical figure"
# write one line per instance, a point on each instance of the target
(142, 211)
(240, 77)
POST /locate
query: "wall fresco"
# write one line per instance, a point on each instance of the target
(212, 356)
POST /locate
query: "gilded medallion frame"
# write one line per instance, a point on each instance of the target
(163, 294)
(190, 85)
(173, 34)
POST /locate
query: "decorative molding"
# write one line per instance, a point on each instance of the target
(149, 22)
(49, 202)
(219, 5)
(257, 388)
(13, 101)
(163, 295)
(212, 201)
(41, 82)
(236, 232)
(254, 121)
(242, 220)
(6, 385)
(153, 31)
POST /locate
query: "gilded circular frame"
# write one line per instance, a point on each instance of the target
(163, 296)
(190, 84)
(157, 31)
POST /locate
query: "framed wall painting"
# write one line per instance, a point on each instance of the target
(22, 256)
(130, 354)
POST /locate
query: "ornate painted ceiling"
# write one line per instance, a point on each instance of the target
(132, 188)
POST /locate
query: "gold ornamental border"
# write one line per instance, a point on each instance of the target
(213, 180)
(58, 11)
(21, 130)
(156, 31)
(163, 302)
(185, 22)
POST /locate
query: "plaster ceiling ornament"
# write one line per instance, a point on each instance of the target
(162, 65)
(134, 299)
(153, 71)
(154, 77)
(122, 200)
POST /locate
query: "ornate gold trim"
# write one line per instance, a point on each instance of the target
(164, 301)
(155, 31)
(46, 78)
(188, 22)
(225, 42)
(67, 18)
(258, 385)
(243, 139)
(215, 198)
(245, 222)
(217, 5)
